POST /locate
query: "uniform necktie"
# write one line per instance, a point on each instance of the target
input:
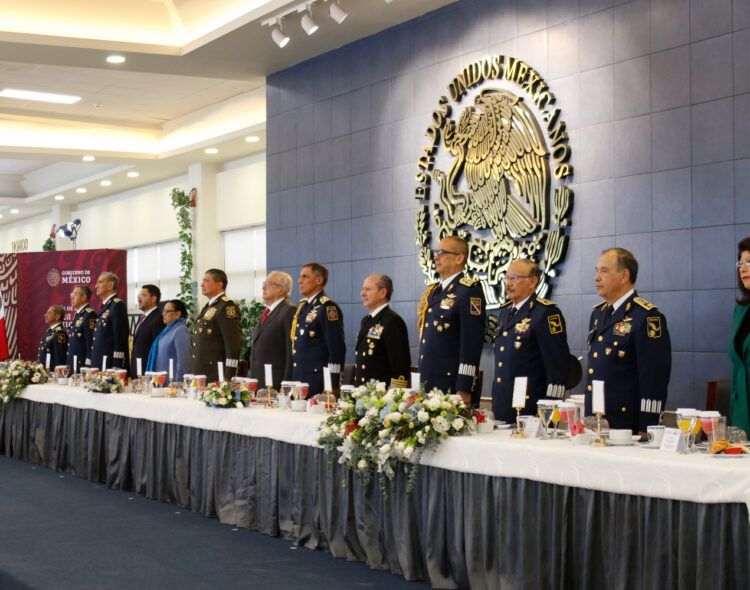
(608, 312)
(513, 311)
(265, 314)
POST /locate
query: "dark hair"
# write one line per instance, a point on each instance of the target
(385, 282)
(318, 269)
(625, 260)
(743, 246)
(85, 290)
(218, 275)
(59, 310)
(154, 291)
(178, 306)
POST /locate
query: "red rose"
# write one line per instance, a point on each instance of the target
(349, 428)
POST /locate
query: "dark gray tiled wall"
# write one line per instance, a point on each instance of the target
(656, 95)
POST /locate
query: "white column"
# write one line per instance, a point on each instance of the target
(208, 251)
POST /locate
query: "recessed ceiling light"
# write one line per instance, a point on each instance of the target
(106, 183)
(115, 59)
(40, 96)
(14, 211)
(80, 190)
(133, 174)
(1, 215)
(211, 151)
(59, 197)
(88, 158)
(252, 139)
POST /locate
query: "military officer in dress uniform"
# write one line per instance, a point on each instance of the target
(217, 333)
(530, 342)
(111, 330)
(382, 351)
(81, 336)
(317, 332)
(55, 340)
(451, 324)
(629, 347)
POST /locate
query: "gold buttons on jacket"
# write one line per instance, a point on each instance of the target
(591, 371)
(499, 364)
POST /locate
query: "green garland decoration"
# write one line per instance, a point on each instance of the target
(181, 205)
(250, 314)
(49, 245)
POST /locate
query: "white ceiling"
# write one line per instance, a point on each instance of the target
(194, 77)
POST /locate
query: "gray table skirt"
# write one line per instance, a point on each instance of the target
(455, 530)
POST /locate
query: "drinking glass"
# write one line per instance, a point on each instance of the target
(545, 411)
(555, 418)
(568, 413)
(686, 420)
(710, 424)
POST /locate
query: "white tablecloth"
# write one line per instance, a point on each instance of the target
(628, 470)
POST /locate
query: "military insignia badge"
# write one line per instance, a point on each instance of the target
(654, 327)
(231, 311)
(79, 322)
(375, 331)
(523, 326)
(312, 334)
(622, 328)
(447, 303)
(555, 324)
(517, 345)
(476, 306)
(210, 313)
(332, 313)
(61, 338)
(92, 323)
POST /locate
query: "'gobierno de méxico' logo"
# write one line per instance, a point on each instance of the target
(501, 178)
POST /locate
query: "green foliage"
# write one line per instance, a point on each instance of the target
(181, 205)
(49, 245)
(250, 314)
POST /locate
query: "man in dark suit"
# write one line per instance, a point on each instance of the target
(451, 324)
(382, 351)
(81, 336)
(530, 342)
(317, 332)
(272, 340)
(111, 329)
(629, 346)
(149, 326)
(55, 340)
(217, 333)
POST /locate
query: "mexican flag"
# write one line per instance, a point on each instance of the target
(4, 353)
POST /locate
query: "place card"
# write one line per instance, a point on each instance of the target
(104, 363)
(672, 441)
(415, 378)
(268, 370)
(171, 369)
(49, 360)
(327, 383)
(597, 397)
(75, 364)
(220, 365)
(139, 367)
(533, 427)
(519, 391)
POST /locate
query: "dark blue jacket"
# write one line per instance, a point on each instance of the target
(81, 337)
(532, 344)
(632, 354)
(111, 335)
(55, 343)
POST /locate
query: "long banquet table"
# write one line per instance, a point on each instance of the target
(488, 511)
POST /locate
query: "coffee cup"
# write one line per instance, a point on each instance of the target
(655, 434)
(620, 436)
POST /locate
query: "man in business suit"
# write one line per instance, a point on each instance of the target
(81, 336)
(111, 330)
(382, 351)
(272, 340)
(217, 333)
(629, 346)
(55, 340)
(147, 329)
(530, 342)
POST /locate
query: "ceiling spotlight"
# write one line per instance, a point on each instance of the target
(337, 13)
(278, 36)
(88, 158)
(59, 197)
(211, 151)
(80, 190)
(14, 211)
(252, 139)
(308, 24)
(115, 59)
(106, 183)
(133, 174)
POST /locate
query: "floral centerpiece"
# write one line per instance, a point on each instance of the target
(226, 395)
(378, 429)
(16, 375)
(104, 383)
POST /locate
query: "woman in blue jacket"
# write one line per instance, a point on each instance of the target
(173, 342)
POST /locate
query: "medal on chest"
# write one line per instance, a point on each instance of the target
(375, 331)
(523, 326)
(622, 328)
(210, 312)
(448, 302)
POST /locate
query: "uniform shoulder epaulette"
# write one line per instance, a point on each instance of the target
(88, 308)
(647, 305)
(545, 301)
(600, 304)
(301, 301)
(116, 300)
(225, 298)
(466, 281)
(325, 299)
(507, 303)
(58, 328)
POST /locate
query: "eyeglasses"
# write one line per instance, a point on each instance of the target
(269, 283)
(514, 277)
(441, 252)
(165, 311)
(742, 263)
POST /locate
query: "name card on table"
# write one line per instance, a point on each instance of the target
(327, 383)
(415, 377)
(49, 360)
(139, 367)
(597, 397)
(268, 370)
(220, 366)
(519, 391)
(532, 426)
(672, 441)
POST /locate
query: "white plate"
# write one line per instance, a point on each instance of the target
(724, 456)
(648, 445)
(629, 443)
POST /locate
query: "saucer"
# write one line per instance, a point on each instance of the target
(648, 445)
(627, 443)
